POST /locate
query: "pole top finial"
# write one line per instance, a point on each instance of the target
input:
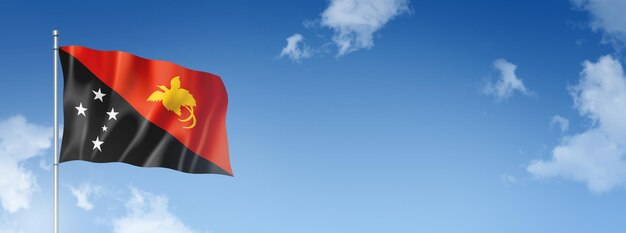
(55, 32)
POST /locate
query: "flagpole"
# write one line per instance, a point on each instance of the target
(55, 35)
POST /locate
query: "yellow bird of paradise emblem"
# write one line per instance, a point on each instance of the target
(174, 98)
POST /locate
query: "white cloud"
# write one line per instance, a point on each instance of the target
(84, 195)
(35, 219)
(45, 165)
(507, 82)
(296, 49)
(147, 213)
(561, 122)
(19, 141)
(607, 16)
(355, 21)
(597, 156)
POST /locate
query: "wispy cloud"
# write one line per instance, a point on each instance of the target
(85, 193)
(561, 122)
(607, 17)
(148, 213)
(19, 141)
(43, 164)
(354, 22)
(597, 156)
(296, 49)
(506, 83)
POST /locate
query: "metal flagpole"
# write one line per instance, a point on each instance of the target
(55, 35)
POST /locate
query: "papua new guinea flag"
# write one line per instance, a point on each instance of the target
(150, 113)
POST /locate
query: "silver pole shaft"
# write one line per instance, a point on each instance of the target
(55, 34)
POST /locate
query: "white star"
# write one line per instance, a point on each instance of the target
(104, 128)
(99, 95)
(97, 143)
(81, 110)
(112, 114)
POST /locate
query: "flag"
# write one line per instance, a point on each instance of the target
(119, 107)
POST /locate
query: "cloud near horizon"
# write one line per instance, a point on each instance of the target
(20, 140)
(148, 213)
(597, 156)
(84, 194)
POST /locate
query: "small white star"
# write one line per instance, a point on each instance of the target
(81, 110)
(97, 143)
(99, 95)
(112, 114)
(104, 128)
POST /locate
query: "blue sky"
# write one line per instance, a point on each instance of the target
(436, 116)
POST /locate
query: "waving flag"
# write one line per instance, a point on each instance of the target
(122, 108)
